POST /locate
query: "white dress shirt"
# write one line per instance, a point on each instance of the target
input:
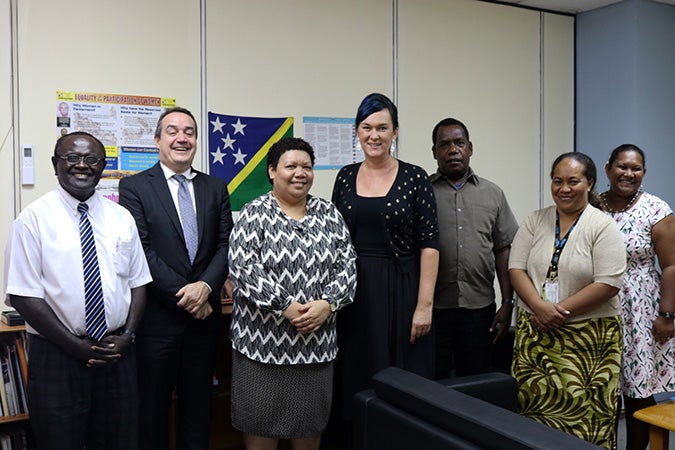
(43, 258)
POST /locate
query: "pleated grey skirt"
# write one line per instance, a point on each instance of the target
(280, 401)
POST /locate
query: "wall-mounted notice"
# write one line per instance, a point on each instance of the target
(333, 141)
(124, 123)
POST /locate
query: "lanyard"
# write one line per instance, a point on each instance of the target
(559, 246)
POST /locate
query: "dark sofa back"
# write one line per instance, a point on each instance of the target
(450, 414)
(379, 425)
(496, 388)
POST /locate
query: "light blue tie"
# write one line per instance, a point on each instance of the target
(188, 218)
(94, 307)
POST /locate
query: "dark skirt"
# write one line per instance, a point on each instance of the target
(374, 332)
(280, 401)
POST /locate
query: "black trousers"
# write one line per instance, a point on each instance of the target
(73, 406)
(186, 363)
(463, 341)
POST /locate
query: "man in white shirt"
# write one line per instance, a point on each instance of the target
(82, 389)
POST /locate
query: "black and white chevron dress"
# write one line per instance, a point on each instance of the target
(281, 383)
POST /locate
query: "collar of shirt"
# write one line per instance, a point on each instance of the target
(471, 177)
(168, 173)
(174, 184)
(72, 202)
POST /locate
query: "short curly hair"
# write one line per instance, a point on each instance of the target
(284, 145)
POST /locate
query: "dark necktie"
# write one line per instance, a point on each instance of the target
(94, 306)
(188, 218)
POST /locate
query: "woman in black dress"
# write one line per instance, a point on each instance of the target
(390, 210)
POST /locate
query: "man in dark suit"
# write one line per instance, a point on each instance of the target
(184, 221)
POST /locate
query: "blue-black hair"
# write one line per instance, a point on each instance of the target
(373, 103)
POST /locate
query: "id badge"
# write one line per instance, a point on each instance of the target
(551, 290)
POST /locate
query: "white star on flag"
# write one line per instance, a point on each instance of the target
(218, 156)
(217, 125)
(239, 157)
(238, 127)
(228, 141)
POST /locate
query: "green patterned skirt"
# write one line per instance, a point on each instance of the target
(568, 378)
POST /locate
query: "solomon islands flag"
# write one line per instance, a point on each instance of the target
(238, 152)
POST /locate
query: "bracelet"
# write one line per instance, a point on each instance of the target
(667, 315)
(508, 301)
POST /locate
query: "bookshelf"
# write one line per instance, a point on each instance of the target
(14, 418)
(4, 328)
(7, 333)
(14, 428)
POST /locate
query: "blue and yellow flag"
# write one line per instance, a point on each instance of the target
(238, 152)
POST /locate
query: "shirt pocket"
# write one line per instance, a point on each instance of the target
(122, 255)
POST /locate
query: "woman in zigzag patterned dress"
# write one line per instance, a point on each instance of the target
(390, 209)
(293, 266)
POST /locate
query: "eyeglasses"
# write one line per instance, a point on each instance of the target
(89, 160)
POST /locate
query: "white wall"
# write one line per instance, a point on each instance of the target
(557, 108)
(8, 181)
(297, 58)
(500, 69)
(508, 73)
(126, 47)
(7, 175)
(479, 63)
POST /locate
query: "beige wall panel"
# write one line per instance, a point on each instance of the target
(125, 47)
(558, 110)
(7, 165)
(477, 62)
(297, 58)
(148, 47)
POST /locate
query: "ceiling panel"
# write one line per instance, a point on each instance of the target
(570, 6)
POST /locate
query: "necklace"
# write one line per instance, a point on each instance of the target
(630, 204)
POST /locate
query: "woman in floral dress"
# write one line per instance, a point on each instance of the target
(647, 297)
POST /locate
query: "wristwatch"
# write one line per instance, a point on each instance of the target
(131, 334)
(667, 315)
(508, 301)
(333, 306)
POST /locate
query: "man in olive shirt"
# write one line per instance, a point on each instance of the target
(476, 229)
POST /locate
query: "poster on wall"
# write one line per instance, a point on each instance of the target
(334, 141)
(124, 123)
